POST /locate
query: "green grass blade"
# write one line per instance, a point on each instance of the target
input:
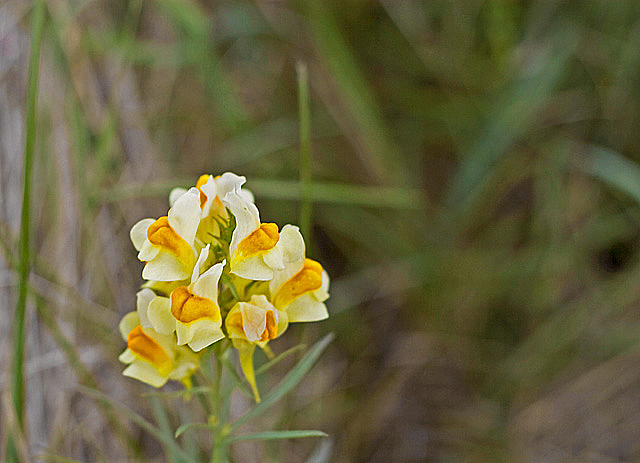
(274, 435)
(186, 426)
(164, 425)
(306, 165)
(17, 381)
(159, 435)
(267, 366)
(613, 169)
(289, 382)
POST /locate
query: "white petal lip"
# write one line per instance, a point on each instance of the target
(175, 194)
(184, 216)
(128, 322)
(160, 316)
(164, 267)
(145, 372)
(252, 268)
(138, 233)
(254, 321)
(306, 308)
(207, 284)
(198, 334)
(201, 260)
(228, 182)
(246, 214)
(143, 298)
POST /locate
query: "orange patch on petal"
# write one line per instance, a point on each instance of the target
(186, 307)
(309, 278)
(201, 181)
(147, 348)
(161, 234)
(271, 327)
(259, 241)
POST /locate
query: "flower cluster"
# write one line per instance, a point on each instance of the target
(215, 271)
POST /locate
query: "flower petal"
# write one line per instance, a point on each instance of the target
(148, 251)
(138, 233)
(128, 322)
(306, 308)
(184, 216)
(164, 267)
(245, 350)
(207, 284)
(127, 356)
(205, 333)
(143, 298)
(204, 254)
(252, 268)
(254, 321)
(175, 194)
(145, 372)
(246, 214)
(159, 313)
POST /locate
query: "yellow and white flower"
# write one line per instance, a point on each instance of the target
(302, 285)
(167, 244)
(254, 323)
(212, 190)
(253, 251)
(191, 311)
(154, 358)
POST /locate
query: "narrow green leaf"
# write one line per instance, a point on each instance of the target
(273, 435)
(289, 382)
(306, 165)
(164, 424)
(140, 421)
(236, 378)
(180, 393)
(19, 330)
(613, 169)
(186, 426)
(267, 366)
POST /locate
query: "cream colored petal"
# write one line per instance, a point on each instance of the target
(127, 356)
(291, 243)
(145, 372)
(260, 300)
(246, 214)
(164, 267)
(252, 268)
(175, 194)
(184, 216)
(148, 251)
(254, 321)
(283, 322)
(322, 293)
(128, 322)
(159, 314)
(211, 191)
(143, 298)
(280, 277)
(207, 284)
(273, 258)
(247, 195)
(205, 333)
(204, 254)
(306, 308)
(138, 233)
(184, 333)
(186, 363)
(228, 182)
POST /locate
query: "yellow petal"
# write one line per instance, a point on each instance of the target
(145, 372)
(245, 350)
(306, 309)
(252, 268)
(165, 267)
(128, 322)
(159, 313)
(308, 279)
(143, 298)
(186, 307)
(163, 235)
(146, 348)
(198, 334)
(138, 233)
(259, 241)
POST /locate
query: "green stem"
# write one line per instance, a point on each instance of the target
(17, 383)
(304, 110)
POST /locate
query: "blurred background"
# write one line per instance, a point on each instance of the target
(475, 198)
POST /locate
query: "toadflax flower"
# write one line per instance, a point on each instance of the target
(212, 190)
(191, 311)
(254, 323)
(167, 244)
(301, 286)
(153, 358)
